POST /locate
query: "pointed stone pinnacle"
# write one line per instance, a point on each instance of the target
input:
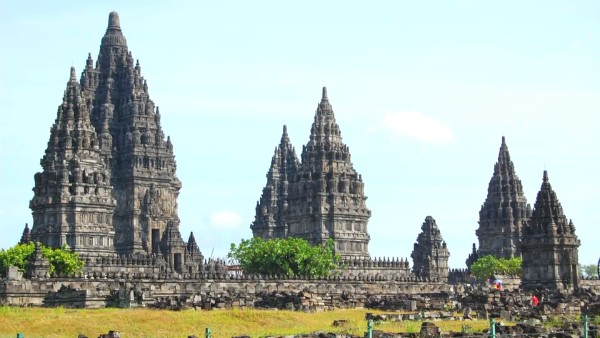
(73, 74)
(114, 35)
(324, 97)
(113, 21)
(545, 176)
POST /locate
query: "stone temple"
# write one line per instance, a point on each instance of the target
(504, 211)
(108, 184)
(319, 197)
(543, 238)
(549, 245)
(108, 190)
(430, 254)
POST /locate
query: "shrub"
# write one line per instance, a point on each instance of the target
(289, 256)
(489, 265)
(62, 260)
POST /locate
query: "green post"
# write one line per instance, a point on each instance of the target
(585, 326)
(207, 333)
(492, 328)
(369, 328)
(20, 335)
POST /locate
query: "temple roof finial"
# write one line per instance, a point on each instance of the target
(73, 74)
(114, 35)
(503, 140)
(324, 97)
(113, 21)
(545, 176)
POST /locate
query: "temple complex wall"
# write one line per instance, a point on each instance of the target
(101, 289)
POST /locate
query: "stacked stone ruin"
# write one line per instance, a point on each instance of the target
(108, 190)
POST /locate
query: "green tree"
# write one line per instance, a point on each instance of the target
(589, 270)
(62, 260)
(290, 256)
(489, 265)
(19, 255)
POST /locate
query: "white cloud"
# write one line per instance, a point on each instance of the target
(418, 125)
(228, 220)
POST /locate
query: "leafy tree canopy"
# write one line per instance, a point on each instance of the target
(62, 260)
(588, 270)
(289, 256)
(489, 265)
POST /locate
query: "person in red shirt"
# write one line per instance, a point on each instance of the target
(534, 300)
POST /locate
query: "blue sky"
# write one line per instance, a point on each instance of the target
(422, 91)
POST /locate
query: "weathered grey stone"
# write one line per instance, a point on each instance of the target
(108, 184)
(430, 254)
(549, 245)
(322, 189)
(503, 213)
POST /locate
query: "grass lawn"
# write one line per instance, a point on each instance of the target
(138, 323)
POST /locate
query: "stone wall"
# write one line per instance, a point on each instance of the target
(220, 291)
(126, 290)
(391, 268)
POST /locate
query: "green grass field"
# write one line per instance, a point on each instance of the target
(61, 322)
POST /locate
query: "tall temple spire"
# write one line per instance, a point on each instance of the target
(109, 183)
(326, 194)
(133, 144)
(504, 211)
(548, 215)
(74, 183)
(549, 244)
(270, 220)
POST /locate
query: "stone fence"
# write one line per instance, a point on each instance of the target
(100, 289)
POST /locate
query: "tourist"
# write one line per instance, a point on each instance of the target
(534, 301)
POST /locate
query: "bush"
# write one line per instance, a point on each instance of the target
(62, 260)
(19, 255)
(489, 265)
(288, 257)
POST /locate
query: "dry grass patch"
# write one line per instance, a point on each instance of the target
(139, 323)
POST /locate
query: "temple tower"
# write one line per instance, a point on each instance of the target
(504, 211)
(430, 254)
(132, 144)
(73, 203)
(326, 198)
(549, 245)
(270, 220)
